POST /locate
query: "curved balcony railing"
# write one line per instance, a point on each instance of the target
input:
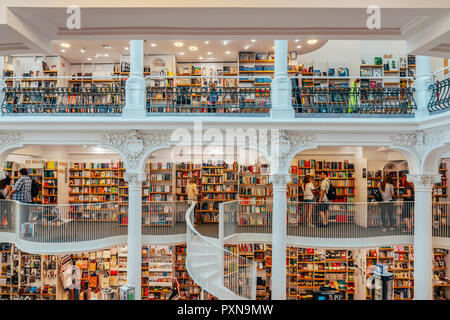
(195, 95)
(353, 101)
(336, 224)
(65, 228)
(82, 96)
(222, 273)
(440, 96)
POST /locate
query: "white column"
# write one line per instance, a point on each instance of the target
(423, 237)
(423, 81)
(135, 101)
(134, 259)
(2, 85)
(281, 86)
(279, 235)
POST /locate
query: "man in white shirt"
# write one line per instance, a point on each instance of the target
(323, 205)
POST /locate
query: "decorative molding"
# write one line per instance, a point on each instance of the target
(10, 138)
(134, 144)
(285, 146)
(424, 180)
(419, 142)
(135, 178)
(280, 179)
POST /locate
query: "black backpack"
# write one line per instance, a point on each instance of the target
(377, 195)
(331, 194)
(34, 188)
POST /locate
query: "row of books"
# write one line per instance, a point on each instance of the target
(260, 180)
(220, 188)
(161, 166)
(158, 188)
(85, 165)
(160, 177)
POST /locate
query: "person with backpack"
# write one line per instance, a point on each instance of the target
(327, 193)
(22, 188)
(5, 186)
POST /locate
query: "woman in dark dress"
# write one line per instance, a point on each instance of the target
(407, 210)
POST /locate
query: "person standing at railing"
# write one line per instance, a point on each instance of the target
(308, 197)
(353, 101)
(407, 210)
(213, 98)
(296, 84)
(5, 193)
(386, 188)
(192, 194)
(323, 199)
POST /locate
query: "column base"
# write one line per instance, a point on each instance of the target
(134, 113)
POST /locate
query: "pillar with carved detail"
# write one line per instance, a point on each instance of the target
(281, 86)
(423, 81)
(134, 259)
(279, 235)
(423, 236)
(135, 96)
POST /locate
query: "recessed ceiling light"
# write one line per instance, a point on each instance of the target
(106, 54)
(209, 52)
(206, 42)
(181, 53)
(312, 41)
(193, 48)
(298, 47)
(106, 46)
(225, 42)
(83, 50)
(178, 44)
(253, 40)
(65, 45)
(246, 47)
(126, 48)
(153, 44)
(97, 55)
(89, 59)
(63, 50)
(297, 40)
(201, 58)
(227, 52)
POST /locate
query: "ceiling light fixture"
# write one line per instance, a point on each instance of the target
(106, 55)
(181, 53)
(297, 40)
(253, 40)
(63, 50)
(246, 47)
(153, 44)
(83, 50)
(106, 46)
(227, 52)
(178, 44)
(65, 45)
(89, 59)
(193, 48)
(312, 41)
(201, 58)
(225, 42)
(126, 48)
(206, 42)
(298, 47)
(209, 52)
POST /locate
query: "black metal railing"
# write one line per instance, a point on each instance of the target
(190, 99)
(354, 100)
(440, 96)
(60, 100)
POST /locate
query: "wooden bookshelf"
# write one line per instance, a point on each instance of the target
(157, 272)
(50, 182)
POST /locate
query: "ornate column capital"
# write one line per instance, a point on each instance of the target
(424, 181)
(10, 138)
(135, 178)
(284, 146)
(134, 145)
(280, 180)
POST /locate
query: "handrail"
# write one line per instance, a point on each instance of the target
(209, 254)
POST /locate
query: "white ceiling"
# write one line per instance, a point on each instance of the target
(217, 49)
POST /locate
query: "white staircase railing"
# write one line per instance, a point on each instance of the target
(218, 271)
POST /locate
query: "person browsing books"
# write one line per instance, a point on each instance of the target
(386, 188)
(22, 188)
(192, 193)
(5, 185)
(353, 101)
(213, 98)
(408, 197)
(323, 199)
(308, 196)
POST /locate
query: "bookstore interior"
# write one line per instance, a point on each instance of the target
(234, 63)
(90, 174)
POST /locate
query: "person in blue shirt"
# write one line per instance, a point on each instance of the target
(22, 188)
(213, 98)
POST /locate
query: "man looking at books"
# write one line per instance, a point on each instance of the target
(323, 199)
(22, 188)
